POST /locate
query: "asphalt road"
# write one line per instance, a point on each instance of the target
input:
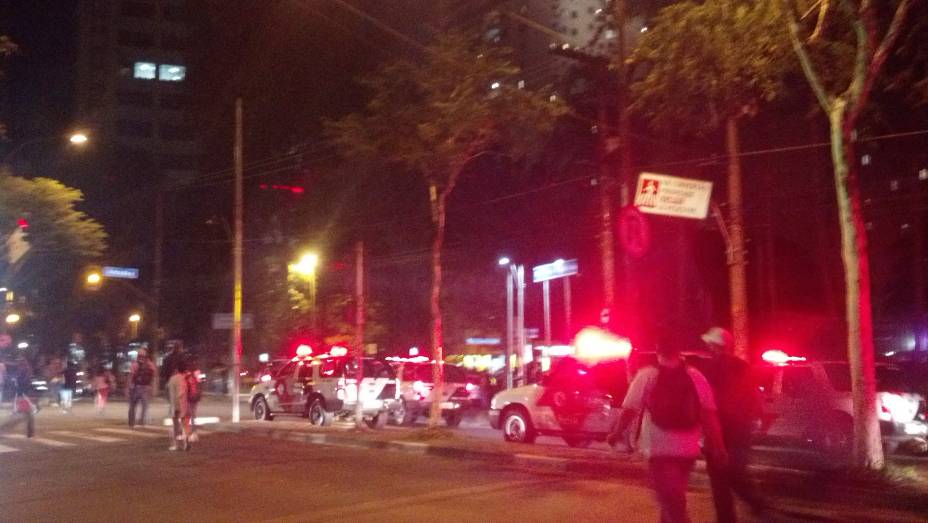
(82, 468)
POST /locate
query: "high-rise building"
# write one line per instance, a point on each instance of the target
(132, 86)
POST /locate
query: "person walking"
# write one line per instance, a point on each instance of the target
(739, 407)
(68, 386)
(178, 400)
(53, 377)
(23, 409)
(141, 375)
(194, 393)
(103, 381)
(677, 409)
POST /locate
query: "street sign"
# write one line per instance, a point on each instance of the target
(554, 270)
(673, 196)
(125, 273)
(223, 320)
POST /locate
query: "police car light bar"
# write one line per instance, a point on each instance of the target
(778, 357)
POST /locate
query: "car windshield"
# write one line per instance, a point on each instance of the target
(888, 379)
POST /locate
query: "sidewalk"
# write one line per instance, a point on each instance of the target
(817, 490)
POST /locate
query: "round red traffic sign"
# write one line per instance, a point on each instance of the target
(634, 232)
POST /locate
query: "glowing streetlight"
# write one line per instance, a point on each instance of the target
(78, 138)
(306, 266)
(134, 320)
(94, 278)
(12, 318)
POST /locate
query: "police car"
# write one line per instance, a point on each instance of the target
(578, 399)
(810, 402)
(416, 391)
(324, 387)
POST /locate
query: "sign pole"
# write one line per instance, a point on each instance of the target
(236, 338)
(510, 334)
(568, 311)
(546, 290)
(520, 324)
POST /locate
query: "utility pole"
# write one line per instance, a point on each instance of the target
(235, 343)
(359, 329)
(510, 328)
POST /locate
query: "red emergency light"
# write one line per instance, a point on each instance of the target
(778, 357)
(594, 345)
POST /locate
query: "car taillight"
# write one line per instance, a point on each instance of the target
(896, 407)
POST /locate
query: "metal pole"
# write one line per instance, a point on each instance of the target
(546, 291)
(236, 340)
(510, 341)
(359, 331)
(520, 322)
(568, 310)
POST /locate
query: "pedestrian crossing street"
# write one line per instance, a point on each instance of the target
(72, 439)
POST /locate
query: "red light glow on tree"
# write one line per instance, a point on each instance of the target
(594, 345)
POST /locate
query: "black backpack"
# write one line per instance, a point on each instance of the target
(674, 403)
(143, 374)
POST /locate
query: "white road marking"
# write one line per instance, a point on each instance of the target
(78, 435)
(129, 432)
(41, 441)
(4, 449)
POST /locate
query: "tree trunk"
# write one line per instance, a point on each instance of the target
(868, 450)
(438, 217)
(737, 270)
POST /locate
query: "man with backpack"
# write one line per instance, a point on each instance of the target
(739, 406)
(677, 409)
(141, 377)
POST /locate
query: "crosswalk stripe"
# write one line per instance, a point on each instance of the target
(128, 432)
(4, 449)
(71, 434)
(41, 441)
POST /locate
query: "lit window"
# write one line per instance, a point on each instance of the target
(143, 70)
(171, 73)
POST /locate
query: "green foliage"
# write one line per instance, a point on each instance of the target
(710, 61)
(56, 228)
(433, 117)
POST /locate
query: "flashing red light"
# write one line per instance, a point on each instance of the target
(22, 223)
(778, 357)
(413, 351)
(304, 350)
(595, 345)
(338, 351)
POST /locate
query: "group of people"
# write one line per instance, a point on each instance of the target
(182, 386)
(183, 389)
(678, 406)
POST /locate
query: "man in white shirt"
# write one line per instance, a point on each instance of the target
(675, 417)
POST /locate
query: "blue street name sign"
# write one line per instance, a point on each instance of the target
(554, 270)
(126, 273)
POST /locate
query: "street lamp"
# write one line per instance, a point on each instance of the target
(134, 320)
(515, 325)
(12, 318)
(305, 267)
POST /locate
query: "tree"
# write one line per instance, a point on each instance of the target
(843, 94)
(711, 65)
(434, 118)
(54, 229)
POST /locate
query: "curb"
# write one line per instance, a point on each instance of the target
(792, 482)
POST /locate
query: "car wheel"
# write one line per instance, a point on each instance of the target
(577, 441)
(318, 415)
(261, 410)
(403, 414)
(517, 426)
(377, 422)
(453, 419)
